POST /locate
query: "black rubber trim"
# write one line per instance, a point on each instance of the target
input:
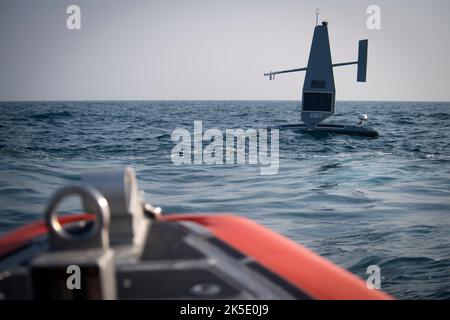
(226, 248)
(291, 289)
(166, 242)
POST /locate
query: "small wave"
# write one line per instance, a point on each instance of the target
(52, 115)
(17, 191)
(327, 167)
(439, 115)
(163, 136)
(404, 122)
(401, 261)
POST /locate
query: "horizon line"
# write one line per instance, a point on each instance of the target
(212, 100)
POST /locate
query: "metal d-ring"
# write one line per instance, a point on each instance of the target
(92, 197)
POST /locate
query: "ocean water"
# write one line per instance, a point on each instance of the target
(357, 201)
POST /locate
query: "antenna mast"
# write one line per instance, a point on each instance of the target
(317, 16)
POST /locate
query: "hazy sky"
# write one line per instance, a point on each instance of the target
(217, 49)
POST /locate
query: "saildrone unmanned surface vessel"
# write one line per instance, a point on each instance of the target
(126, 249)
(319, 92)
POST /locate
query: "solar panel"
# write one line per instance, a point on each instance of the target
(317, 101)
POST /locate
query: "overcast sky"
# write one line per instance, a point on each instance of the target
(217, 49)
